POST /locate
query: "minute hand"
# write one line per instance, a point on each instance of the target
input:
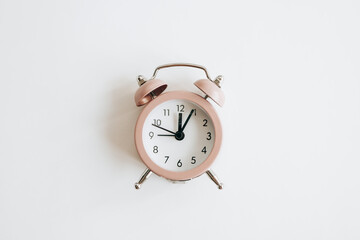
(187, 120)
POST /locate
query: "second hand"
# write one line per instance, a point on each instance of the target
(163, 129)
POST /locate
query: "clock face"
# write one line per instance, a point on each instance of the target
(178, 135)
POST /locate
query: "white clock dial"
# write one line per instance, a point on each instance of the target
(178, 147)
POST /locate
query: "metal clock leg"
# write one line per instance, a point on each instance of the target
(144, 176)
(214, 178)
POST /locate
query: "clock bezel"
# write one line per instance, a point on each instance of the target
(198, 170)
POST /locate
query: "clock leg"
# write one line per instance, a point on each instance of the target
(214, 178)
(144, 176)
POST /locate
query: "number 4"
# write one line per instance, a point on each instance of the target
(204, 150)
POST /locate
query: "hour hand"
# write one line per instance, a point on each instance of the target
(179, 122)
(163, 129)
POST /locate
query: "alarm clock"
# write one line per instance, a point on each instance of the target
(178, 134)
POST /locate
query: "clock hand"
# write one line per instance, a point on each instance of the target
(179, 122)
(171, 135)
(163, 128)
(187, 120)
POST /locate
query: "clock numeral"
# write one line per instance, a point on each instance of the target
(205, 122)
(151, 134)
(209, 136)
(204, 150)
(193, 160)
(194, 112)
(166, 158)
(179, 163)
(155, 149)
(166, 112)
(157, 122)
(180, 108)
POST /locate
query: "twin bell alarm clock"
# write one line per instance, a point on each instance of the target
(178, 134)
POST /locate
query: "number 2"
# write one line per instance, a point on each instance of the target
(205, 122)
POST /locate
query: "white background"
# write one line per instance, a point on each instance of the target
(290, 159)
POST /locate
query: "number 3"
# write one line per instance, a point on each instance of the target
(209, 136)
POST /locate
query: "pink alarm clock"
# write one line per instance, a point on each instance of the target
(178, 134)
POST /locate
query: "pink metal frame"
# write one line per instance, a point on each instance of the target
(192, 173)
(214, 92)
(143, 96)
